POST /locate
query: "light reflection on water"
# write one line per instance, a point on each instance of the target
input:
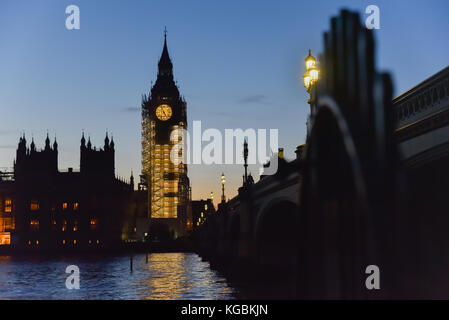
(165, 276)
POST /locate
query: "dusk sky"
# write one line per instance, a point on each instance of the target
(239, 64)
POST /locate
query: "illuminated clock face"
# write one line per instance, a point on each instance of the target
(163, 112)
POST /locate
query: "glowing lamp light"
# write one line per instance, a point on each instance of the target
(310, 61)
(311, 75)
(314, 74)
(306, 77)
(223, 179)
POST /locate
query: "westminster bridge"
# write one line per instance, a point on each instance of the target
(368, 188)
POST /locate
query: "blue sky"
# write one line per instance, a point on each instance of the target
(238, 64)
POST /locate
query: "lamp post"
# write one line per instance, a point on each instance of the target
(310, 78)
(245, 157)
(223, 180)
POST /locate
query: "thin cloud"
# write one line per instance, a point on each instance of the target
(222, 114)
(255, 99)
(131, 109)
(7, 146)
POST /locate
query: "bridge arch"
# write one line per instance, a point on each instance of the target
(335, 237)
(233, 234)
(275, 233)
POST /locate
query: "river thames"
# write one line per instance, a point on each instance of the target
(165, 276)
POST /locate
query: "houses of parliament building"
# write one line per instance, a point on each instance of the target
(44, 208)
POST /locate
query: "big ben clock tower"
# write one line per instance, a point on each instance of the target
(163, 111)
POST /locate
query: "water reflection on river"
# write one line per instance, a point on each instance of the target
(165, 276)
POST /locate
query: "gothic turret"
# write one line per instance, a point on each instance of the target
(21, 149)
(95, 161)
(106, 142)
(32, 145)
(83, 141)
(47, 143)
(41, 162)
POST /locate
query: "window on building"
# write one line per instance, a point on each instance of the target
(75, 206)
(8, 205)
(54, 225)
(75, 226)
(93, 224)
(6, 224)
(34, 205)
(5, 238)
(64, 206)
(64, 225)
(34, 225)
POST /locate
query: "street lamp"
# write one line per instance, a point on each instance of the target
(212, 195)
(310, 77)
(223, 180)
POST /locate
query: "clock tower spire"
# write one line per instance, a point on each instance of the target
(165, 84)
(165, 65)
(163, 111)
